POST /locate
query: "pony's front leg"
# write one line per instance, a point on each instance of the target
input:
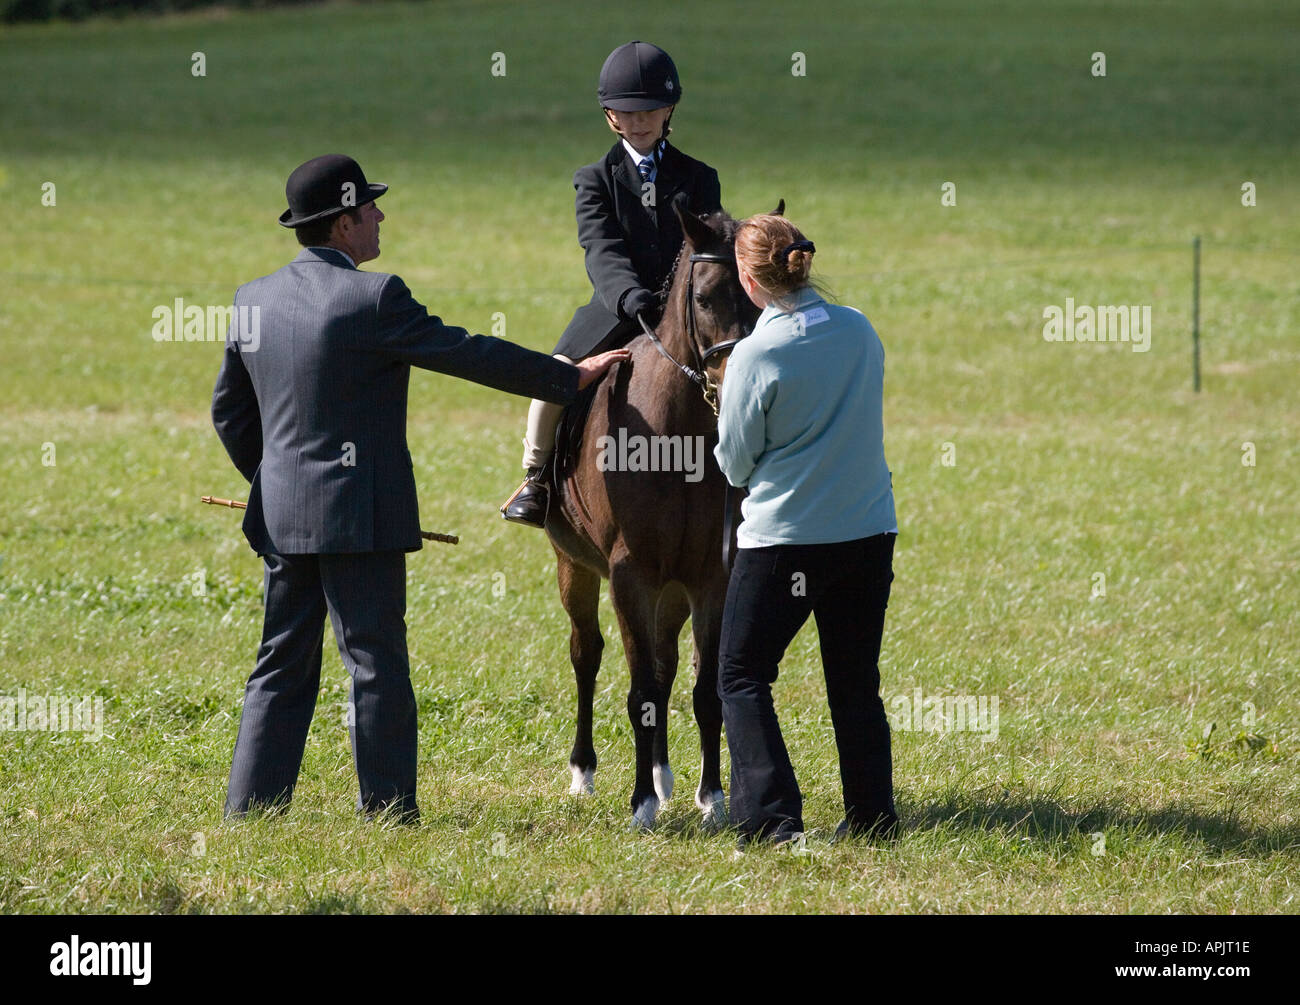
(673, 610)
(580, 594)
(706, 627)
(635, 599)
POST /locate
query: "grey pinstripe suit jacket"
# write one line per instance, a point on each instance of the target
(311, 404)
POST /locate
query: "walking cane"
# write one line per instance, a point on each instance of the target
(428, 535)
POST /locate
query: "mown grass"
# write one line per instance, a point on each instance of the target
(1102, 791)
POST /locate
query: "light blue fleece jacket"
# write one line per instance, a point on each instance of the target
(800, 425)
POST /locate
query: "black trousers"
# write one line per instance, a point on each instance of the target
(772, 590)
(365, 595)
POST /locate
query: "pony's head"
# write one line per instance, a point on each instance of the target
(705, 287)
(705, 290)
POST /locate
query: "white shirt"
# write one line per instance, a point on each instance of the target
(638, 158)
(322, 247)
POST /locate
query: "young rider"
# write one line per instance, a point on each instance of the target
(627, 229)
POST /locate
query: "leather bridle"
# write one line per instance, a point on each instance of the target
(697, 375)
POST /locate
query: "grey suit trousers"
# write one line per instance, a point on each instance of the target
(365, 595)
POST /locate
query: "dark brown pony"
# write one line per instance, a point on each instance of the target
(656, 535)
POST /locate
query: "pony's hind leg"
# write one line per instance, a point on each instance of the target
(635, 597)
(706, 627)
(672, 611)
(580, 594)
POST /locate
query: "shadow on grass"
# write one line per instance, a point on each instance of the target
(337, 903)
(1044, 819)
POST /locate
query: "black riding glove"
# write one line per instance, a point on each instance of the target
(639, 301)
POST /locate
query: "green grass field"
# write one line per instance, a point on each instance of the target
(1102, 791)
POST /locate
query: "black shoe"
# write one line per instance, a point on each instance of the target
(398, 812)
(778, 837)
(530, 502)
(884, 828)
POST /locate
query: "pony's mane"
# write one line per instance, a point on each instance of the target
(723, 224)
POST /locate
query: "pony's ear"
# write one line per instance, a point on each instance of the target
(780, 209)
(696, 230)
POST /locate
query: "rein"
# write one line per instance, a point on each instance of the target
(698, 376)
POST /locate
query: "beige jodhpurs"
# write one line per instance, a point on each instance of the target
(539, 437)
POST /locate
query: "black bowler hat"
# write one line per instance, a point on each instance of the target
(317, 189)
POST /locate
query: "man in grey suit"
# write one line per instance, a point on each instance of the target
(310, 404)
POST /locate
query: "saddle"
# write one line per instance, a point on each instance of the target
(569, 433)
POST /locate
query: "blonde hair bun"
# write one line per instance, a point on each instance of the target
(775, 252)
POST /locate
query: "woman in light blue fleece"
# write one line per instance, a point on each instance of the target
(800, 427)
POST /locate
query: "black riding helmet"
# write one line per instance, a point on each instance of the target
(637, 77)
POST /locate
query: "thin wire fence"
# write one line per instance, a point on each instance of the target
(906, 270)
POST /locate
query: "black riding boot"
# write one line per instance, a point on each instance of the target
(529, 503)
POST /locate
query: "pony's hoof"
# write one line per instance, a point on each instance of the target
(643, 817)
(663, 776)
(584, 781)
(713, 807)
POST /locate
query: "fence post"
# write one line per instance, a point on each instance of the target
(1196, 313)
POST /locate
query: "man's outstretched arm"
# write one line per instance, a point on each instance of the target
(408, 332)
